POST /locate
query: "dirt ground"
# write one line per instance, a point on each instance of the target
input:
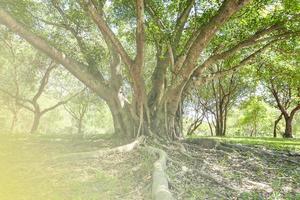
(233, 173)
(29, 169)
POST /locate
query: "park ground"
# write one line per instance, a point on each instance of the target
(36, 167)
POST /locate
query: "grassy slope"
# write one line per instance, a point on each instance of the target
(272, 143)
(247, 175)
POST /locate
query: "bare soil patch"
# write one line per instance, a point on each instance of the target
(29, 170)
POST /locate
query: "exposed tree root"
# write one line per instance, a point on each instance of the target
(218, 148)
(160, 183)
(259, 152)
(220, 181)
(98, 153)
(204, 143)
(183, 150)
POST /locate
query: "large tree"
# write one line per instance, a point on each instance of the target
(114, 47)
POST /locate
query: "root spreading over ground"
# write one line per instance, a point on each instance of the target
(104, 168)
(232, 171)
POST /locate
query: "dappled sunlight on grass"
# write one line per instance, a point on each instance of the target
(274, 143)
(28, 170)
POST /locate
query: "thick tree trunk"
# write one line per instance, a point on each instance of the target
(288, 133)
(124, 123)
(36, 122)
(166, 120)
(174, 128)
(220, 125)
(164, 123)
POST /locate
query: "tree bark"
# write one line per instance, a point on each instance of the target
(210, 127)
(275, 125)
(124, 122)
(14, 121)
(36, 122)
(79, 131)
(288, 133)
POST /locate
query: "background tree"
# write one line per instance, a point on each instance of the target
(254, 115)
(216, 99)
(30, 71)
(280, 74)
(225, 93)
(78, 108)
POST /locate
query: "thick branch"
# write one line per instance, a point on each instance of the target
(105, 30)
(181, 21)
(252, 40)
(207, 32)
(140, 34)
(74, 32)
(79, 70)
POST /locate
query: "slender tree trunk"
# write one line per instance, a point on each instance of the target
(36, 122)
(255, 129)
(210, 128)
(275, 125)
(79, 130)
(288, 133)
(179, 117)
(14, 121)
(225, 120)
(194, 126)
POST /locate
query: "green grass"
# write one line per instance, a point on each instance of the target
(268, 142)
(28, 171)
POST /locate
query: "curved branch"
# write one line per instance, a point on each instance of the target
(79, 70)
(236, 67)
(61, 103)
(296, 109)
(44, 81)
(19, 100)
(252, 40)
(280, 106)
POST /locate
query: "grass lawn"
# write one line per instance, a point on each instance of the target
(268, 142)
